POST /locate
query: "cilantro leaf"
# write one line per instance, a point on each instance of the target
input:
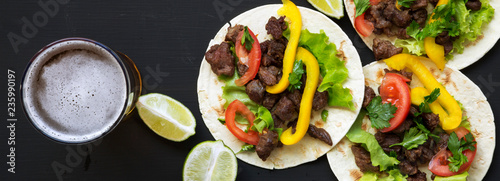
(379, 113)
(247, 39)
(324, 115)
(405, 3)
(424, 106)
(361, 6)
(457, 146)
(466, 144)
(247, 147)
(412, 139)
(453, 143)
(296, 75)
(420, 126)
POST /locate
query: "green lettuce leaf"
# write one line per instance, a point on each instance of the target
(394, 175)
(367, 140)
(412, 46)
(369, 176)
(459, 177)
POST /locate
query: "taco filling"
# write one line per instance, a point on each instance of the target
(272, 87)
(415, 128)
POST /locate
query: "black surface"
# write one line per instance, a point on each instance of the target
(160, 36)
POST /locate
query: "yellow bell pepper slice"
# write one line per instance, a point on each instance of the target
(312, 72)
(418, 96)
(295, 24)
(400, 61)
(435, 51)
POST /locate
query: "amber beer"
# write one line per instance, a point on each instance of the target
(76, 90)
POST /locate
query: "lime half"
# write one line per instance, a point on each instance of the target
(166, 116)
(210, 160)
(332, 8)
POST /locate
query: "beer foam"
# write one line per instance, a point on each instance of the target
(75, 91)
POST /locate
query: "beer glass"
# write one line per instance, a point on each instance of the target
(76, 90)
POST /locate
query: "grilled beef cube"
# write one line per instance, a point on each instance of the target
(473, 5)
(319, 133)
(385, 140)
(375, 15)
(267, 142)
(430, 120)
(320, 100)
(420, 16)
(405, 126)
(401, 34)
(293, 125)
(369, 95)
(263, 47)
(285, 109)
(443, 142)
(414, 110)
(383, 49)
(295, 97)
(401, 72)
(278, 123)
(255, 91)
(427, 151)
(220, 59)
(362, 159)
(445, 40)
(270, 100)
(408, 168)
(275, 27)
(268, 75)
(276, 50)
(233, 31)
(413, 155)
(266, 60)
(400, 18)
(418, 4)
(242, 68)
(419, 176)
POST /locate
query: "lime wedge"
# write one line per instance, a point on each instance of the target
(332, 8)
(210, 160)
(167, 117)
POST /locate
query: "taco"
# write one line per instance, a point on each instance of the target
(333, 110)
(431, 156)
(462, 31)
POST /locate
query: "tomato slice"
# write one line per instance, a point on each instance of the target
(439, 163)
(252, 137)
(394, 90)
(252, 59)
(364, 27)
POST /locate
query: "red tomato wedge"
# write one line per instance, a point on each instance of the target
(237, 106)
(364, 27)
(251, 60)
(394, 90)
(439, 163)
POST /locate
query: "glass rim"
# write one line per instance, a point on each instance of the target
(116, 58)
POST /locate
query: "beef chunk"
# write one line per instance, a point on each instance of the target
(420, 16)
(255, 91)
(430, 120)
(427, 151)
(268, 75)
(242, 68)
(275, 27)
(362, 159)
(293, 125)
(433, 2)
(384, 49)
(375, 15)
(412, 155)
(285, 109)
(419, 176)
(266, 60)
(402, 34)
(405, 126)
(295, 97)
(443, 142)
(473, 5)
(319, 133)
(220, 59)
(401, 72)
(267, 142)
(270, 100)
(320, 100)
(418, 4)
(385, 140)
(276, 51)
(444, 39)
(369, 95)
(278, 123)
(232, 32)
(400, 18)
(414, 110)
(408, 168)
(263, 47)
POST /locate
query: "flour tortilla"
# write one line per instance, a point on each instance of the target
(339, 119)
(472, 52)
(476, 106)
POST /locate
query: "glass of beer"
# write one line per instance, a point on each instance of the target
(76, 90)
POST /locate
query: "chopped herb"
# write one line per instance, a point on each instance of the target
(413, 29)
(424, 106)
(296, 75)
(457, 146)
(413, 138)
(406, 3)
(247, 39)
(361, 6)
(420, 126)
(247, 147)
(379, 113)
(324, 115)
(222, 120)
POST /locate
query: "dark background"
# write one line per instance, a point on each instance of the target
(167, 41)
